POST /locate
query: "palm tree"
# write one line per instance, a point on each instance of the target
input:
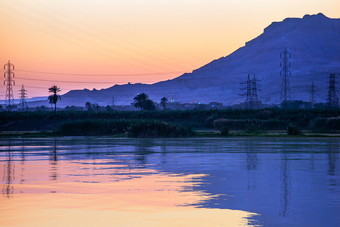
(53, 99)
(163, 102)
(143, 102)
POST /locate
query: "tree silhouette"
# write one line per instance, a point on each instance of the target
(53, 99)
(163, 102)
(143, 102)
(149, 105)
(88, 106)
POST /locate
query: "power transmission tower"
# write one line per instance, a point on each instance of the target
(285, 74)
(113, 101)
(9, 82)
(254, 97)
(332, 99)
(23, 96)
(248, 93)
(312, 94)
(251, 92)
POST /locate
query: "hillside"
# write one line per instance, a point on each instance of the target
(314, 42)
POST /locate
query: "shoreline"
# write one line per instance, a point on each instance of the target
(197, 134)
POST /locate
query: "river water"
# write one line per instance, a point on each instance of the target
(98, 181)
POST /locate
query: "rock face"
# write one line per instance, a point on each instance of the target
(314, 44)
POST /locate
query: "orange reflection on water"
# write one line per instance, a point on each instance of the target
(145, 198)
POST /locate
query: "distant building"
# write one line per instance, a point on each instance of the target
(216, 105)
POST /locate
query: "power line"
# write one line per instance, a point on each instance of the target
(96, 75)
(78, 82)
(36, 87)
(84, 27)
(75, 43)
(88, 46)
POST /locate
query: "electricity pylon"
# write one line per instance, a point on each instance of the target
(312, 94)
(9, 83)
(285, 74)
(23, 96)
(254, 97)
(113, 101)
(248, 93)
(251, 92)
(332, 99)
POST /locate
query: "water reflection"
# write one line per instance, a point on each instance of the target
(251, 157)
(164, 151)
(22, 162)
(285, 185)
(53, 162)
(283, 180)
(332, 159)
(142, 150)
(8, 173)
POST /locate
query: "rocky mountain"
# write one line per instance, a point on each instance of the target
(314, 44)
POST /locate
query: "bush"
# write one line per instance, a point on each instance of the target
(293, 130)
(252, 126)
(94, 127)
(224, 131)
(220, 123)
(333, 123)
(274, 124)
(157, 129)
(267, 119)
(249, 125)
(326, 124)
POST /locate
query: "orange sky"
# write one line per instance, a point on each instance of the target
(120, 41)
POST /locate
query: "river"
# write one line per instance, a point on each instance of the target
(101, 181)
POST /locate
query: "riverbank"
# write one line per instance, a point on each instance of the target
(212, 123)
(196, 133)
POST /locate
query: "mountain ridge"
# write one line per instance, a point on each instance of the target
(313, 40)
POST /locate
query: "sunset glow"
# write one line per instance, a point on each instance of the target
(95, 44)
(147, 200)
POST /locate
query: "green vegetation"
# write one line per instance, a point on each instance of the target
(224, 131)
(158, 129)
(143, 102)
(53, 99)
(94, 127)
(293, 130)
(331, 124)
(131, 128)
(168, 122)
(163, 102)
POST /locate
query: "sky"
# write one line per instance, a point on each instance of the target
(77, 44)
